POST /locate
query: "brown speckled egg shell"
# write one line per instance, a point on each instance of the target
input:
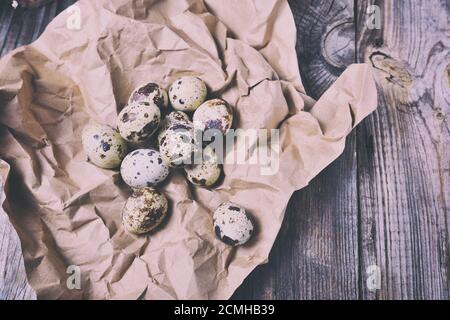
(138, 121)
(152, 93)
(232, 224)
(144, 210)
(103, 145)
(214, 114)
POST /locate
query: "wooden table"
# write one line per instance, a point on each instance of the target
(384, 204)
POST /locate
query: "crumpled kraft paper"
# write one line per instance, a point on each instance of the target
(67, 212)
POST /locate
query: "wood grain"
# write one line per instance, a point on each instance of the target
(403, 151)
(385, 202)
(13, 280)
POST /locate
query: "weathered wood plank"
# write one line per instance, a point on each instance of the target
(325, 41)
(13, 280)
(316, 253)
(403, 151)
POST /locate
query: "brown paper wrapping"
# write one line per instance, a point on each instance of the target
(67, 211)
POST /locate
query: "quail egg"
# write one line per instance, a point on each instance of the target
(206, 173)
(103, 145)
(177, 116)
(187, 93)
(144, 210)
(214, 114)
(138, 121)
(177, 145)
(151, 93)
(143, 168)
(173, 117)
(232, 224)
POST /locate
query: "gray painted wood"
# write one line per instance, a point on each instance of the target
(13, 280)
(403, 151)
(384, 202)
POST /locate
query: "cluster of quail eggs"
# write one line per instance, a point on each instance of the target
(147, 121)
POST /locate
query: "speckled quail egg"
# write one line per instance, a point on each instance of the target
(138, 121)
(143, 168)
(152, 93)
(144, 210)
(187, 93)
(171, 118)
(177, 116)
(232, 224)
(206, 173)
(103, 145)
(177, 145)
(214, 114)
